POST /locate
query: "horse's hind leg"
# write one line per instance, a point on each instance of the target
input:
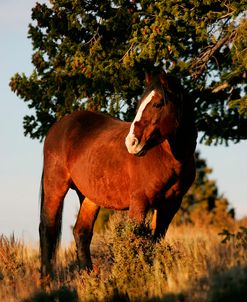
(53, 192)
(83, 231)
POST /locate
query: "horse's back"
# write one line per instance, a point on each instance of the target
(81, 133)
(74, 127)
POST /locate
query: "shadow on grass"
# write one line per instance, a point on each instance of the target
(227, 286)
(63, 294)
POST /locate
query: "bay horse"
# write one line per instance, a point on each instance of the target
(136, 166)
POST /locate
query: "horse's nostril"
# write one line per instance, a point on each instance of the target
(134, 142)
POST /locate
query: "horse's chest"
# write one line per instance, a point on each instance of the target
(162, 183)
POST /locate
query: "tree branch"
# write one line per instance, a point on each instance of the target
(220, 87)
(199, 64)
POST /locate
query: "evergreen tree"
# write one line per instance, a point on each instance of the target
(203, 205)
(93, 54)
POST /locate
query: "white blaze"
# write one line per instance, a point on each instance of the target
(130, 138)
(143, 105)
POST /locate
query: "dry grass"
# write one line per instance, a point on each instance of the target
(191, 264)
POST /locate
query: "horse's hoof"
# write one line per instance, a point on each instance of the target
(45, 283)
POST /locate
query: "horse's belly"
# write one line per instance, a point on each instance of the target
(108, 190)
(108, 195)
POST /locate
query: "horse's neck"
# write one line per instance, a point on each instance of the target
(183, 142)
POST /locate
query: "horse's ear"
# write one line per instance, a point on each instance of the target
(148, 78)
(163, 78)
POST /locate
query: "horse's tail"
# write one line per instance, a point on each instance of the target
(41, 193)
(41, 206)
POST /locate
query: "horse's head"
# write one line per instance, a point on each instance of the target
(158, 115)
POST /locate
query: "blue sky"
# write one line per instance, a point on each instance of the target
(21, 157)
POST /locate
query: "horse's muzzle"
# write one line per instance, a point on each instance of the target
(133, 145)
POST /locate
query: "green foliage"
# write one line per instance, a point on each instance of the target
(91, 54)
(137, 263)
(102, 219)
(133, 249)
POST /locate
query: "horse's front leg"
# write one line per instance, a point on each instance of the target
(163, 216)
(83, 232)
(138, 210)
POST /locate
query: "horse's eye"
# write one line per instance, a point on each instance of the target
(157, 105)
